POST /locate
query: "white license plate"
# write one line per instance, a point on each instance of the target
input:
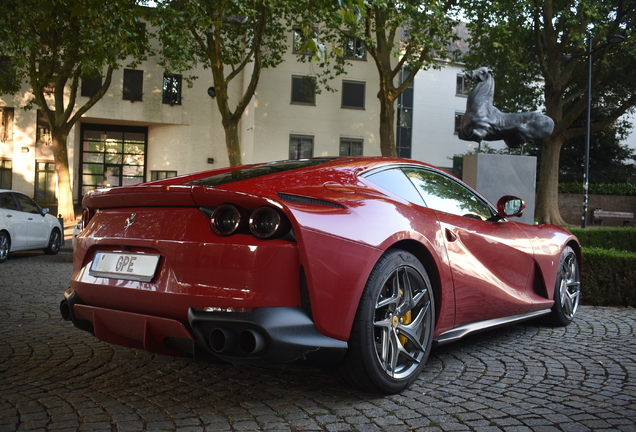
(130, 266)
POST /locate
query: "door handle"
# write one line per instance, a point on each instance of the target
(450, 235)
(9, 215)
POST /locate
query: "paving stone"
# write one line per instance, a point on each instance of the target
(514, 379)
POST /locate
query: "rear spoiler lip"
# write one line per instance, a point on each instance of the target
(143, 195)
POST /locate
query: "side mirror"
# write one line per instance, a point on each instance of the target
(510, 206)
(44, 211)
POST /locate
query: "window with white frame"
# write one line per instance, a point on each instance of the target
(301, 40)
(355, 49)
(301, 146)
(160, 175)
(350, 147)
(463, 86)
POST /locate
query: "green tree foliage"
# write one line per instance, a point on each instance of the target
(610, 161)
(232, 39)
(523, 41)
(412, 34)
(50, 45)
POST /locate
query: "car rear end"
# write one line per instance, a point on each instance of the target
(191, 269)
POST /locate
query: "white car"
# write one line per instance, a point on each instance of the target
(24, 225)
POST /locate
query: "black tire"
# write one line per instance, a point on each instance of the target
(392, 333)
(55, 242)
(567, 292)
(5, 246)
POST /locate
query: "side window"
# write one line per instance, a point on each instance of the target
(7, 202)
(397, 183)
(27, 205)
(444, 194)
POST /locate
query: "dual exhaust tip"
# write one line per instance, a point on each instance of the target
(248, 341)
(221, 339)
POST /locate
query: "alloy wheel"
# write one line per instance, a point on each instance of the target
(403, 319)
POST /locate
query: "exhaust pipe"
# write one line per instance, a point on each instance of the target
(222, 340)
(65, 310)
(251, 342)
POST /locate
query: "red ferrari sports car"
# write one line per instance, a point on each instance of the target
(359, 263)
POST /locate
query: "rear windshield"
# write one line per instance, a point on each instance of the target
(258, 171)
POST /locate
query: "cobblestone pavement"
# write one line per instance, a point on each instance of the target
(55, 377)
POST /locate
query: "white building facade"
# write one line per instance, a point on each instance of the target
(150, 126)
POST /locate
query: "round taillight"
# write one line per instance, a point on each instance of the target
(227, 220)
(266, 223)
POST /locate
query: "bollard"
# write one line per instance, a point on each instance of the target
(60, 219)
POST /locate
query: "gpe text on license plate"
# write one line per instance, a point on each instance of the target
(119, 265)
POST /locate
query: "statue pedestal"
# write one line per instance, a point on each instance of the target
(495, 175)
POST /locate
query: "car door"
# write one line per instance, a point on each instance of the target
(490, 259)
(37, 225)
(15, 221)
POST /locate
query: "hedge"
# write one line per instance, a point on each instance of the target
(607, 238)
(608, 277)
(621, 189)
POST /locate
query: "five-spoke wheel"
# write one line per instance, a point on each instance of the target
(393, 331)
(55, 242)
(567, 292)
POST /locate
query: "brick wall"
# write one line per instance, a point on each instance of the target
(571, 208)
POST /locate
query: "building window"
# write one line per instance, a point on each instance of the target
(404, 136)
(303, 90)
(45, 181)
(43, 135)
(458, 122)
(172, 89)
(300, 42)
(90, 86)
(112, 156)
(6, 124)
(5, 173)
(160, 175)
(350, 147)
(463, 86)
(301, 146)
(354, 49)
(353, 94)
(133, 85)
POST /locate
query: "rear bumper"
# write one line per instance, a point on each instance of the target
(264, 336)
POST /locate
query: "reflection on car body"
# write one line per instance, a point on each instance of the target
(360, 263)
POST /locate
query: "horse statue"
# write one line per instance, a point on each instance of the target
(483, 122)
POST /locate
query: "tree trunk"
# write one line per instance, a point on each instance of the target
(547, 208)
(387, 127)
(232, 142)
(64, 192)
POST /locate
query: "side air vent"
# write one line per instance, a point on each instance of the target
(308, 200)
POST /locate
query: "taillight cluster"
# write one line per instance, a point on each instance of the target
(264, 222)
(87, 215)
